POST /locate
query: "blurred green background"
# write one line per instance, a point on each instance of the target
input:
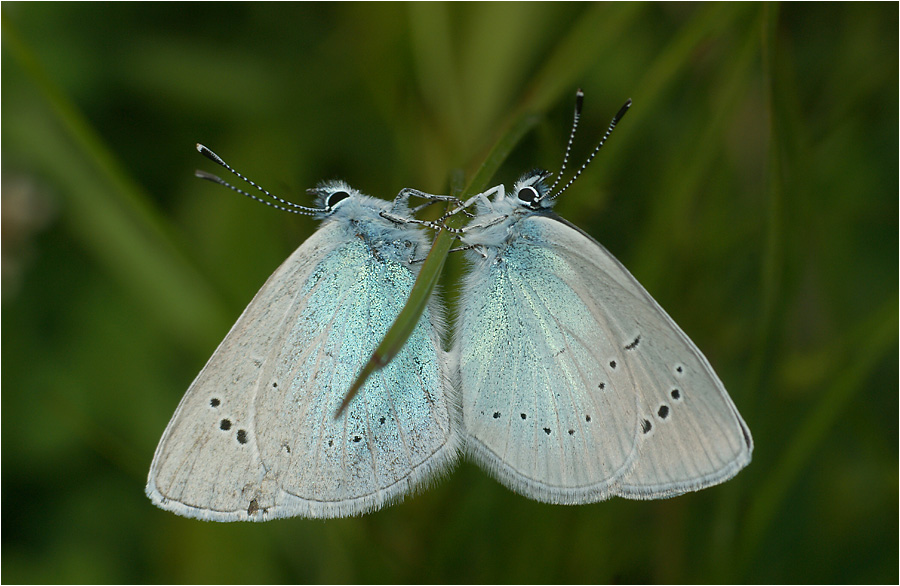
(753, 189)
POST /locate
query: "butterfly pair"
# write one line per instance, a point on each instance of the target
(566, 380)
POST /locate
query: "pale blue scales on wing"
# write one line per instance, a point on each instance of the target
(575, 384)
(255, 437)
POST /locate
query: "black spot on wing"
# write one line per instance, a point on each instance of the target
(254, 509)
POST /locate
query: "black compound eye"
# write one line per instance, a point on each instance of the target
(529, 196)
(335, 198)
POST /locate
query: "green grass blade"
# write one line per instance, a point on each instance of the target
(109, 212)
(867, 346)
(409, 316)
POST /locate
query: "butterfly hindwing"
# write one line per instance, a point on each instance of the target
(396, 431)
(576, 385)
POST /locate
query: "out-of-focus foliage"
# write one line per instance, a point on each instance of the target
(753, 189)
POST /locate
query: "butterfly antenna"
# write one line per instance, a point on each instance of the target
(287, 206)
(223, 183)
(579, 102)
(612, 126)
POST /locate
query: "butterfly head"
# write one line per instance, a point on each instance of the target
(531, 190)
(331, 195)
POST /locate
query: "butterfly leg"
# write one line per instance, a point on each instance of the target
(479, 248)
(402, 199)
(441, 198)
(498, 192)
(404, 220)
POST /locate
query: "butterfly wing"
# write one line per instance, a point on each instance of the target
(577, 386)
(255, 436)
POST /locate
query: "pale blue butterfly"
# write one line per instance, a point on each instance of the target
(255, 436)
(575, 384)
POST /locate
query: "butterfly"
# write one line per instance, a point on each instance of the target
(255, 436)
(576, 385)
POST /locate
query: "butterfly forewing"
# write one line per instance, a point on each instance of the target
(689, 433)
(255, 437)
(201, 468)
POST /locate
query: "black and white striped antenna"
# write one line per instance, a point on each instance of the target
(286, 206)
(579, 98)
(579, 102)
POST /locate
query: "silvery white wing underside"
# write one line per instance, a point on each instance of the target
(255, 438)
(576, 386)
